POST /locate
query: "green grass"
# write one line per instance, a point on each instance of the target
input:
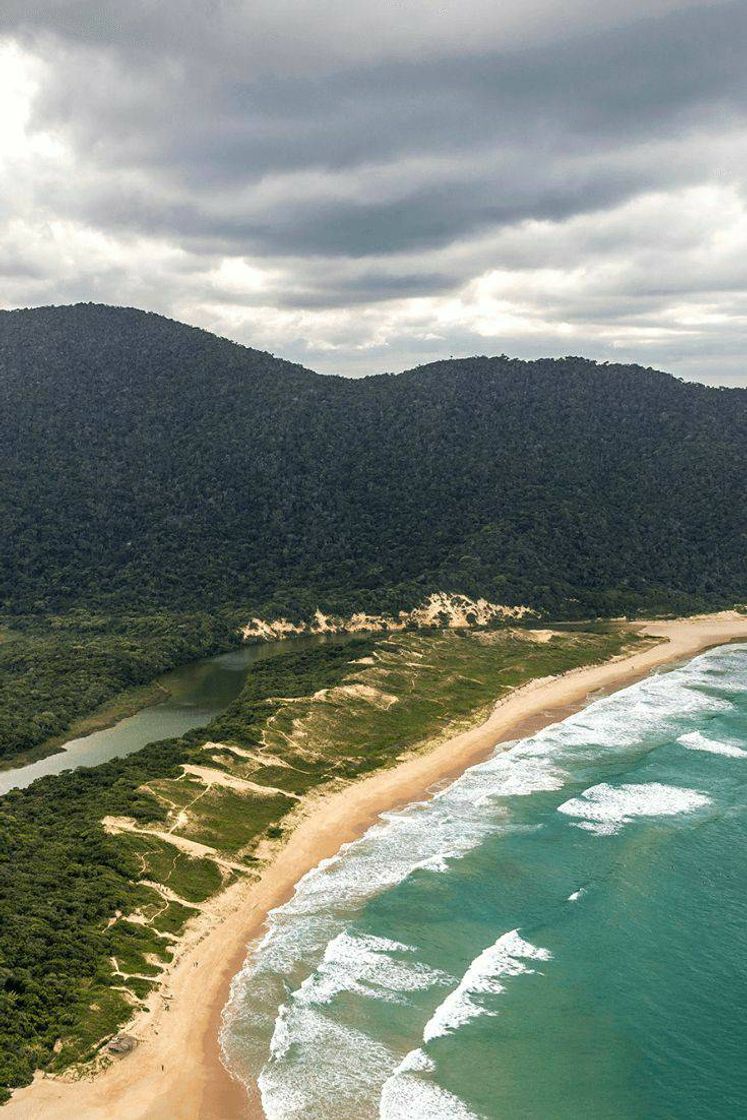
(129, 943)
(141, 988)
(310, 715)
(229, 821)
(411, 688)
(173, 918)
(419, 685)
(194, 880)
(98, 1014)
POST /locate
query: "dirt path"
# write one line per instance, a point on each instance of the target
(175, 1073)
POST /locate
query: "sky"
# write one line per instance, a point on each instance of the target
(366, 187)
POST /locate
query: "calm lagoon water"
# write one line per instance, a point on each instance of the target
(197, 694)
(561, 934)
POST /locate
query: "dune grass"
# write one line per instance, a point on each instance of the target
(90, 911)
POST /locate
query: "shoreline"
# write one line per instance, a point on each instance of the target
(121, 706)
(176, 1072)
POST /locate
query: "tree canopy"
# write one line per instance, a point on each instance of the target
(146, 464)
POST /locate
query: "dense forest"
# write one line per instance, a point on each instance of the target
(82, 927)
(158, 485)
(62, 878)
(55, 671)
(146, 465)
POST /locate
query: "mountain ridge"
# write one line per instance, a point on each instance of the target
(149, 463)
(127, 310)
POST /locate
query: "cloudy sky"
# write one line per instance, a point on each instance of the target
(364, 187)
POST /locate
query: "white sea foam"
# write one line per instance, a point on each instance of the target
(426, 836)
(408, 1097)
(416, 1061)
(332, 1071)
(647, 711)
(439, 863)
(522, 773)
(696, 741)
(604, 809)
(302, 949)
(653, 708)
(281, 1037)
(485, 976)
(317, 1064)
(365, 965)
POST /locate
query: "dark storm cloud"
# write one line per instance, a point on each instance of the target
(536, 112)
(359, 166)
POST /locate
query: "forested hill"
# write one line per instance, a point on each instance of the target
(147, 464)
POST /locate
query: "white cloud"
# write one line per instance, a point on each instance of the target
(529, 178)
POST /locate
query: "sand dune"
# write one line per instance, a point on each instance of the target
(175, 1073)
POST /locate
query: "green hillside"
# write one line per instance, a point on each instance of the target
(149, 465)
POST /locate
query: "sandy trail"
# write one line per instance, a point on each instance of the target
(176, 1073)
(189, 847)
(209, 776)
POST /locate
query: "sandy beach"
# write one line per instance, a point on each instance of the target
(176, 1073)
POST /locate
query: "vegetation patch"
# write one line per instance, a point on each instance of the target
(573, 487)
(67, 676)
(89, 914)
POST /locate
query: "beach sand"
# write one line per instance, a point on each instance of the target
(175, 1072)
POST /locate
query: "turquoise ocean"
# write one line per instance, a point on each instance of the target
(560, 934)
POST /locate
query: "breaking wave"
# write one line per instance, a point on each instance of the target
(485, 976)
(697, 741)
(406, 1096)
(604, 809)
(365, 965)
(283, 1025)
(320, 1068)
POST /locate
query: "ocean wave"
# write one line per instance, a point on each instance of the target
(438, 863)
(406, 1096)
(521, 772)
(312, 1054)
(697, 741)
(427, 835)
(310, 951)
(422, 838)
(331, 1070)
(605, 809)
(364, 964)
(416, 1061)
(507, 957)
(648, 711)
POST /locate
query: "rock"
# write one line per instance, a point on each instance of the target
(121, 1044)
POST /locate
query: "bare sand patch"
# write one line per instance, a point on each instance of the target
(210, 776)
(176, 1073)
